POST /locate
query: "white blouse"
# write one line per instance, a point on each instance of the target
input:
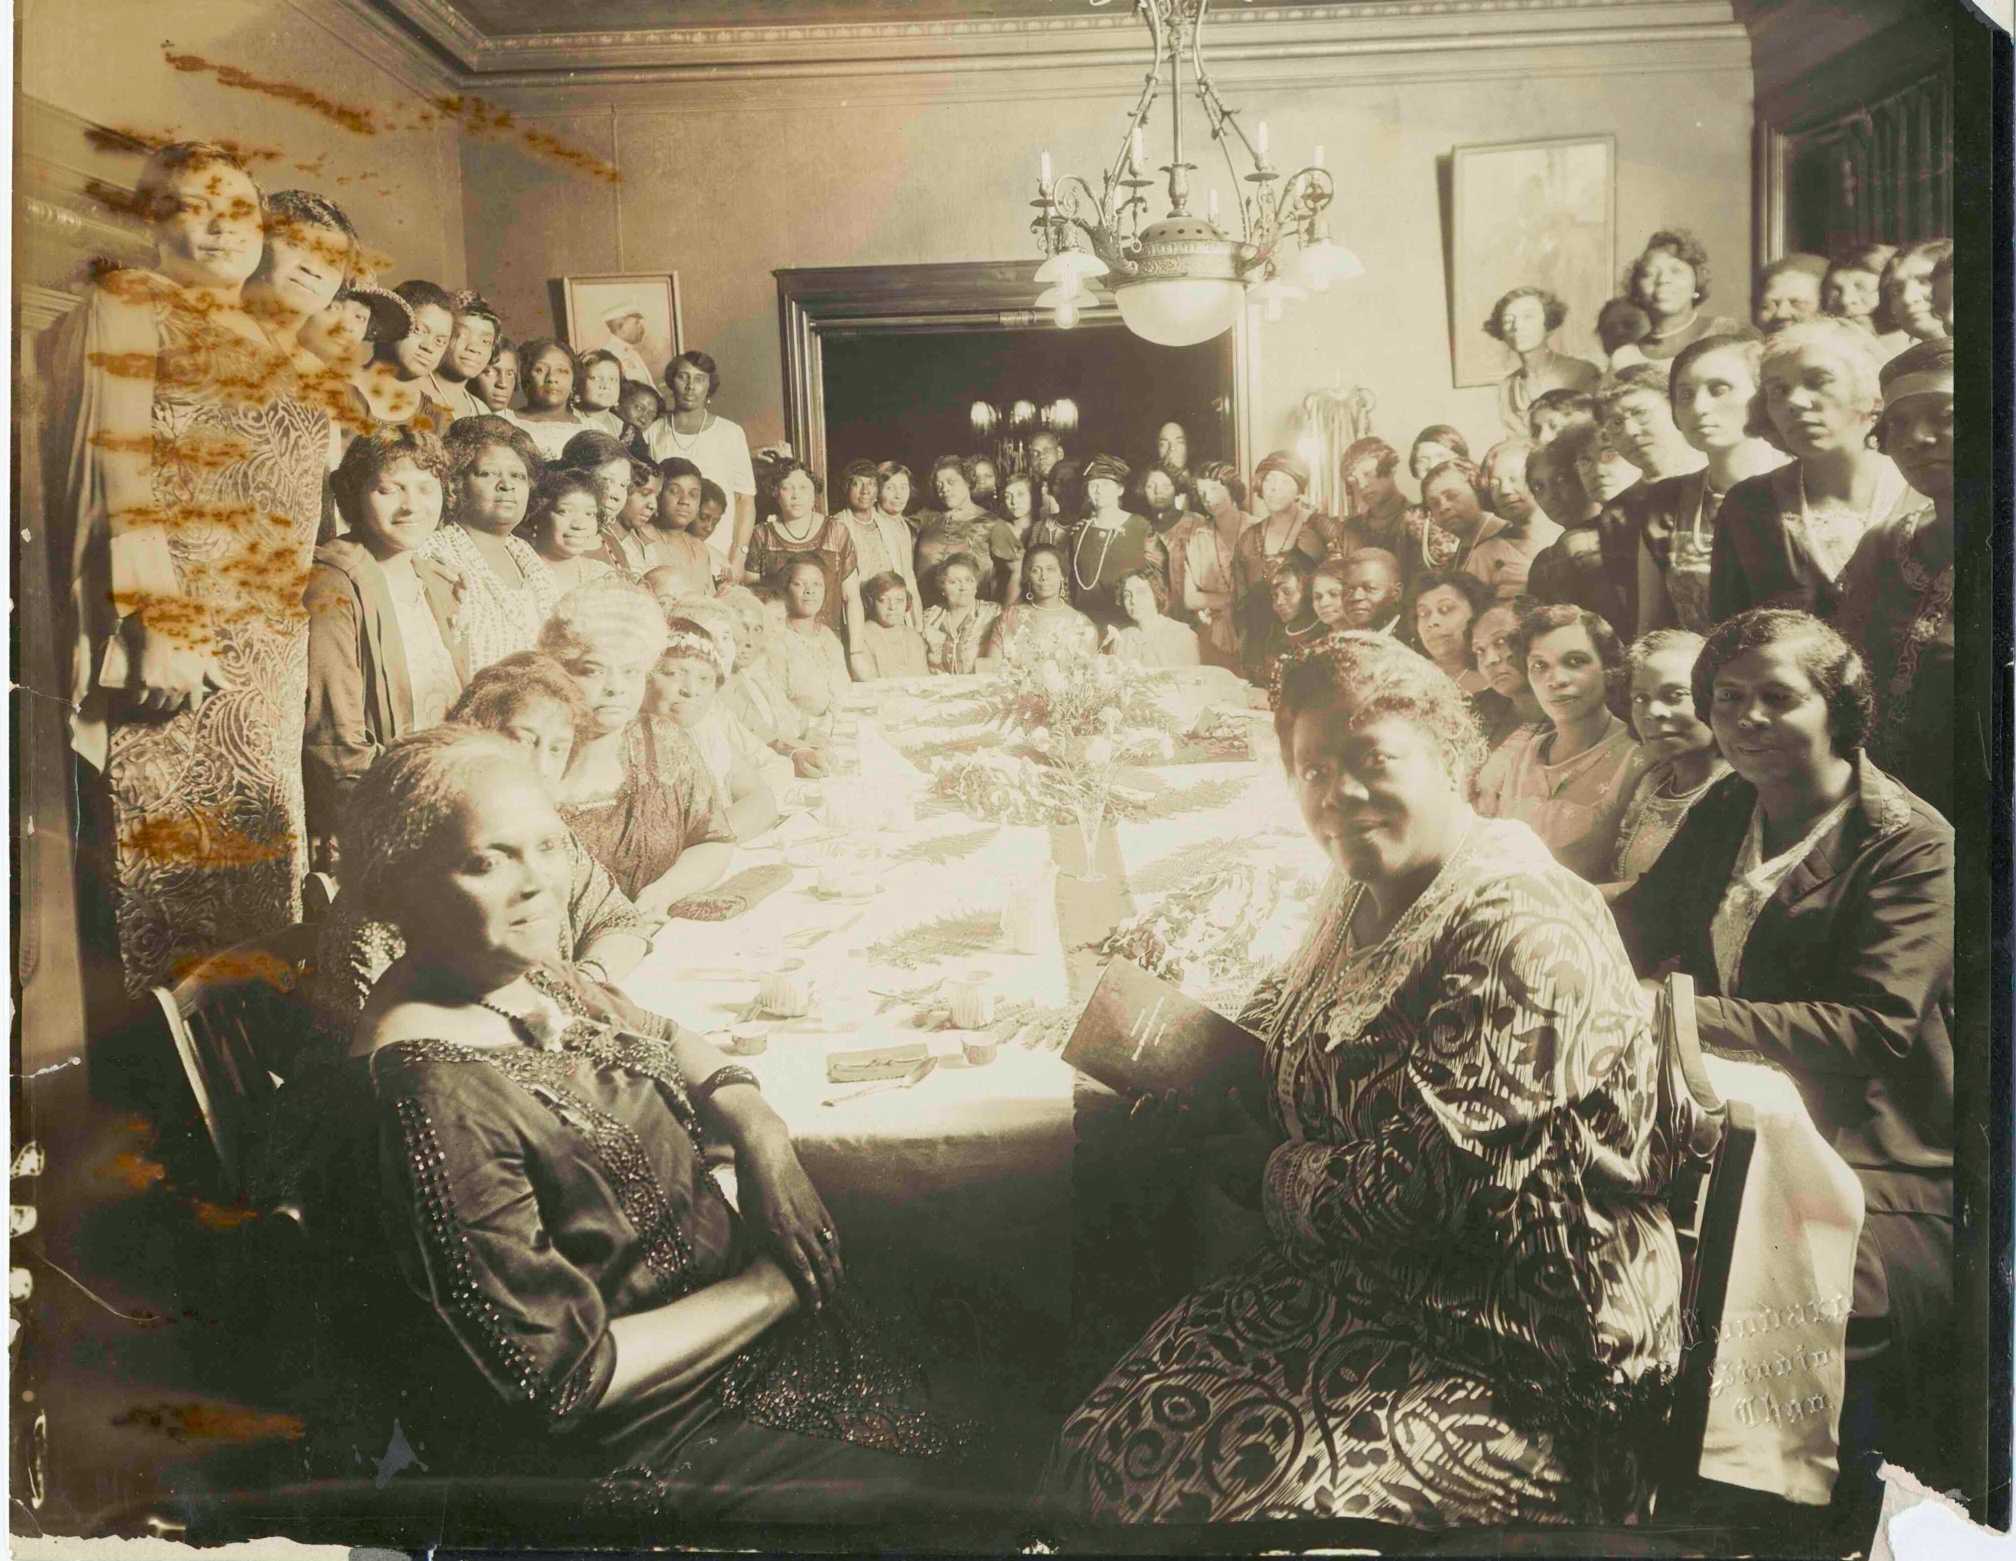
(1751, 886)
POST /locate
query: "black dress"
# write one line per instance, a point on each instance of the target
(491, 1211)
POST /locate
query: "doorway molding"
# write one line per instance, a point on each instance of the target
(968, 295)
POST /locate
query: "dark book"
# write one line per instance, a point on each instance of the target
(1141, 1035)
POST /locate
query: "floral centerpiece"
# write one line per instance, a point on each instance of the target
(1075, 720)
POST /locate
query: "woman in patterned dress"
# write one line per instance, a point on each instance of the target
(1897, 592)
(960, 624)
(189, 465)
(525, 1239)
(1042, 623)
(1467, 1308)
(492, 471)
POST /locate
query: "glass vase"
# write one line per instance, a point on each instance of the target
(1090, 811)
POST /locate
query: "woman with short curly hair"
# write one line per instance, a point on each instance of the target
(385, 656)
(1569, 780)
(1810, 897)
(1525, 320)
(1435, 1266)
(1669, 281)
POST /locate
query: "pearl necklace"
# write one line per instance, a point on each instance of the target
(684, 443)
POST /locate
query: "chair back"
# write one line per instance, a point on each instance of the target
(233, 1021)
(1706, 1200)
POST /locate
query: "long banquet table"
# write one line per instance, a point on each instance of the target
(962, 1185)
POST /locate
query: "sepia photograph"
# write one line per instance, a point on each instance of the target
(634, 319)
(1539, 215)
(997, 777)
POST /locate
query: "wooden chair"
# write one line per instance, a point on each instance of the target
(233, 1022)
(1706, 1202)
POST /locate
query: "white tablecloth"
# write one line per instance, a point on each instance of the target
(964, 1180)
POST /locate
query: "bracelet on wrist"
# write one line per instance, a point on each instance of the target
(721, 1078)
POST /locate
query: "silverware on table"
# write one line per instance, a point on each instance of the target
(915, 1076)
(805, 937)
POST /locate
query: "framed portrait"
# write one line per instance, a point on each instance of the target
(1531, 214)
(636, 316)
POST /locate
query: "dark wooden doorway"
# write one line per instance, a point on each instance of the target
(984, 307)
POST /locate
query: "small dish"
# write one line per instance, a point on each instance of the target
(749, 1040)
(980, 1049)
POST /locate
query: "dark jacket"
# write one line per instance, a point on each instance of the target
(1761, 556)
(1847, 976)
(1574, 569)
(359, 694)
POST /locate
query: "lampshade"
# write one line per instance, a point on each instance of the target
(983, 417)
(1180, 311)
(1022, 414)
(1325, 262)
(1068, 265)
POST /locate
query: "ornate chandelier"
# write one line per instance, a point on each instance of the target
(1182, 280)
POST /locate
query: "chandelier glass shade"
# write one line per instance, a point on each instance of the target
(1182, 279)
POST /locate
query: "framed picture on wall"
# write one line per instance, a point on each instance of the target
(1531, 214)
(635, 316)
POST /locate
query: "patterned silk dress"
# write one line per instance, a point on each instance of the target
(210, 833)
(1468, 1309)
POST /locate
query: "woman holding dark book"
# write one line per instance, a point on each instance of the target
(1467, 1308)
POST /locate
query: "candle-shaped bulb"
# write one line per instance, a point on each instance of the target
(1318, 159)
(1213, 205)
(1260, 140)
(1044, 177)
(1140, 147)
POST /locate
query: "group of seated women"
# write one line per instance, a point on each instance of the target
(1665, 684)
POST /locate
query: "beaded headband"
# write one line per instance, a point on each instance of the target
(698, 647)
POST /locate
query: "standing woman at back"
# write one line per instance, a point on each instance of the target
(186, 475)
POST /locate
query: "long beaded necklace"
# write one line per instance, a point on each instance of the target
(1106, 534)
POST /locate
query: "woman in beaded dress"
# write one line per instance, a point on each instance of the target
(187, 450)
(521, 1227)
(529, 700)
(1466, 1310)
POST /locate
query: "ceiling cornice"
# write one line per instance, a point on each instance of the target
(364, 28)
(1108, 38)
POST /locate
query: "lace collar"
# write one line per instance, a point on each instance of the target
(1348, 987)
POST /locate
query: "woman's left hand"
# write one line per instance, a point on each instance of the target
(785, 1209)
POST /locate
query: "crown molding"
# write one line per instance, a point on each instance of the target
(424, 44)
(975, 45)
(1278, 66)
